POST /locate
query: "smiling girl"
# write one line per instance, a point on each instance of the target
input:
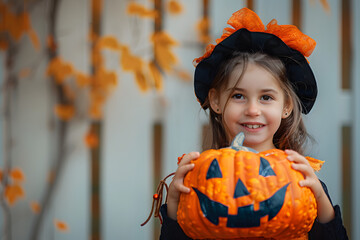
(258, 82)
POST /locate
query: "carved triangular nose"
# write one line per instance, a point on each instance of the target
(240, 189)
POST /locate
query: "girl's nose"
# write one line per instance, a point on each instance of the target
(252, 109)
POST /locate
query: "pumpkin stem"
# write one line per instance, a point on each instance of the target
(237, 143)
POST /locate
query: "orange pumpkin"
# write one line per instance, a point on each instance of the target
(242, 194)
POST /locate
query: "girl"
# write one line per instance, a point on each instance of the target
(258, 82)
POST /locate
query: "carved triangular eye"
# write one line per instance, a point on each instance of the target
(240, 189)
(265, 168)
(214, 170)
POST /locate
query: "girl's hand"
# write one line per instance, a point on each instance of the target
(177, 185)
(324, 207)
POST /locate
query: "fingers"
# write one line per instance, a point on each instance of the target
(184, 167)
(188, 157)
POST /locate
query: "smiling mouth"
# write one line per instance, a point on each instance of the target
(247, 216)
(253, 126)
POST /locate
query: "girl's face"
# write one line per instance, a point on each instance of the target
(255, 107)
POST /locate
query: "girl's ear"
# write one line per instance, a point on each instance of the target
(287, 109)
(214, 100)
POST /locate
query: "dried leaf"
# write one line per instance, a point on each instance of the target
(184, 75)
(35, 207)
(174, 7)
(130, 62)
(51, 176)
(4, 45)
(61, 225)
(157, 77)
(17, 175)
(163, 38)
(96, 57)
(51, 44)
(109, 42)
(163, 55)
(14, 193)
(95, 111)
(24, 73)
(1, 175)
(69, 92)
(139, 10)
(203, 28)
(82, 80)
(59, 69)
(64, 112)
(91, 140)
(34, 39)
(141, 81)
(325, 5)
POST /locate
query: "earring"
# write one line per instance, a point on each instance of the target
(217, 110)
(286, 114)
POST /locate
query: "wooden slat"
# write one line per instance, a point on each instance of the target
(157, 166)
(250, 4)
(347, 178)
(96, 128)
(346, 44)
(206, 137)
(296, 13)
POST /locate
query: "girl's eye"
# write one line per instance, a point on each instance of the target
(238, 96)
(266, 98)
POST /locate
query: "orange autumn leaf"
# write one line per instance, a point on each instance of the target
(35, 207)
(325, 5)
(141, 81)
(95, 111)
(107, 79)
(17, 175)
(174, 7)
(1, 175)
(96, 56)
(51, 44)
(163, 54)
(68, 92)
(14, 193)
(91, 140)
(59, 69)
(61, 225)
(139, 10)
(130, 62)
(64, 112)
(34, 39)
(203, 28)
(184, 75)
(82, 80)
(24, 73)
(51, 176)
(4, 45)
(156, 75)
(109, 42)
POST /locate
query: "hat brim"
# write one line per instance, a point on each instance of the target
(297, 67)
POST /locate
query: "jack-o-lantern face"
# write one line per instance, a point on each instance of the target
(246, 215)
(239, 194)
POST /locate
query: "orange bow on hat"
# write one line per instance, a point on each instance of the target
(245, 18)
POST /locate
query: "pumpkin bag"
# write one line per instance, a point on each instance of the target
(239, 194)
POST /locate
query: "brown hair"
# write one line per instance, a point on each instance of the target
(292, 133)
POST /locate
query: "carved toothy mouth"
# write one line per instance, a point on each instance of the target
(246, 216)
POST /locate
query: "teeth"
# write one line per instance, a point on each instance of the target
(253, 126)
